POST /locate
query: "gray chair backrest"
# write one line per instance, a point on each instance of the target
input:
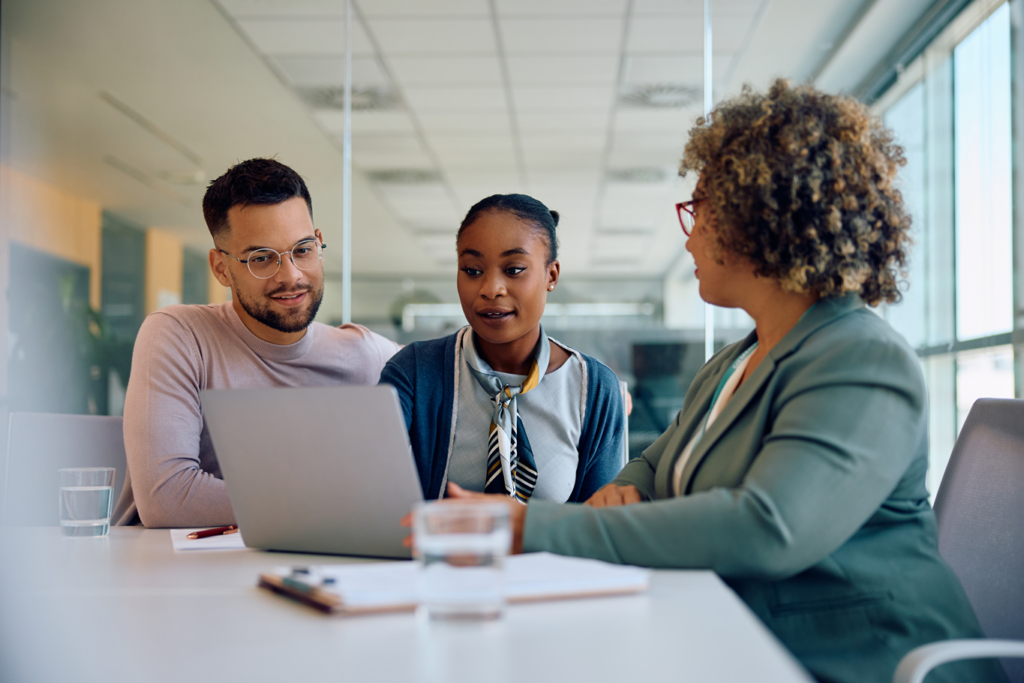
(980, 512)
(38, 444)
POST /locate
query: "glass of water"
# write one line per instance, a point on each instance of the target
(86, 500)
(461, 548)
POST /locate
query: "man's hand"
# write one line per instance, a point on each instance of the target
(459, 495)
(611, 495)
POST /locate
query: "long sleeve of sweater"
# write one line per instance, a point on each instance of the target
(163, 425)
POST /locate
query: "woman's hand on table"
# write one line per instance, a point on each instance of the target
(612, 495)
(457, 494)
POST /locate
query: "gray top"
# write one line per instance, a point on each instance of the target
(173, 477)
(552, 415)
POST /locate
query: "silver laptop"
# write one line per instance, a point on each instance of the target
(318, 469)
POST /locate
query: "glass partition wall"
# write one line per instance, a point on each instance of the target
(118, 113)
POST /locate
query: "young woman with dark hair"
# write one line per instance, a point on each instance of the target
(500, 407)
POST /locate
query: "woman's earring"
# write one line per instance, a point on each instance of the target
(551, 288)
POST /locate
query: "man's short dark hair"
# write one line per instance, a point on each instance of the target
(256, 181)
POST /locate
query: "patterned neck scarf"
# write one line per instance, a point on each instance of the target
(511, 468)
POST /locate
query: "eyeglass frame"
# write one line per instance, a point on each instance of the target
(280, 256)
(687, 206)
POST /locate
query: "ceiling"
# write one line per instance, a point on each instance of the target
(585, 104)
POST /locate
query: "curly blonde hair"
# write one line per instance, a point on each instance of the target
(802, 184)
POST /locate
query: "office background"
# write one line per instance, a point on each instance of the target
(115, 114)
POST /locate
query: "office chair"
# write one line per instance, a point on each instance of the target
(38, 444)
(980, 513)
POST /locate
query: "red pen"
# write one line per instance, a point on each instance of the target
(217, 531)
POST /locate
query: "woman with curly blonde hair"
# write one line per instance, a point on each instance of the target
(796, 468)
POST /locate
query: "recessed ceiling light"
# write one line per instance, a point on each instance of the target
(666, 96)
(405, 177)
(197, 177)
(363, 99)
(636, 175)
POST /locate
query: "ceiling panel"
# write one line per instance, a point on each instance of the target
(667, 157)
(546, 8)
(600, 69)
(328, 71)
(385, 143)
(544, 160)
(389, 161)
(494, 162)
(553, 98)
(563, 151)
(617, 247)
(650, 143)
(284, 8)
(434, 36)
(484, 177)
(304, 36)
(584, 179)
(665, 34)
(366, 122)
(456, 99)
(672, 121)
(556, 35)
(673, 33)
(467, 123)
(440, 248)
(695, 8)
(563, 120)
(479, 70)
(682, 67)
(426, 206)
(563, 143)
(421, 8)
(477, 144)
(626, 207)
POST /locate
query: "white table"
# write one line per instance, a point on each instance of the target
(128, 608)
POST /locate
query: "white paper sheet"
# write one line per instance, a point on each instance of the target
(181, 541)
(535, 576)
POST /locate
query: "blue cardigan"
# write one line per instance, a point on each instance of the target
(423, 373)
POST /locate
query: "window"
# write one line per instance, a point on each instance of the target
(952, 113)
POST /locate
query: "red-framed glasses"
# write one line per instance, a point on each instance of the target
(687, 216)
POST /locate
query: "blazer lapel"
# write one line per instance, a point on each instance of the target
(816, 317)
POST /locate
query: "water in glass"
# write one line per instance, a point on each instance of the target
(85, 510)
(86, 500)
(462, 555)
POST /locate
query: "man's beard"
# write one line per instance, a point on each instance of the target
(295, 322)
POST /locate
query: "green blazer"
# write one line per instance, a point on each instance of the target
(807, 496)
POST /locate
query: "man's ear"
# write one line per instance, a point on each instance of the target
(219, 267)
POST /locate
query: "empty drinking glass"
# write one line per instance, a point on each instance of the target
(86, 500)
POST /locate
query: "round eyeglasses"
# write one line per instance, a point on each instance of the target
(687, 216)
(264, 263)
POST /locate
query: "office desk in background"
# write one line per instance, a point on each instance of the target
(128, 608)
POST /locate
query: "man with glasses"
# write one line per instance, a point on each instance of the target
(267, 251)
